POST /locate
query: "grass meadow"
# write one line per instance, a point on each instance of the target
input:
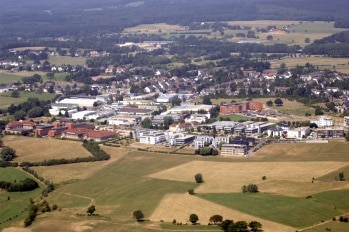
(18, 200)
(6, 100)
(295, 212)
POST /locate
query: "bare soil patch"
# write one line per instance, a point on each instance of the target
(180, 206)
(222, 177)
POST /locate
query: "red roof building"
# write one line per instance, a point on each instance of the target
(100, 136)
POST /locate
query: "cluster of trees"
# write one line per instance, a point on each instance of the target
(34, 209)
(32, 108)
(251, 188)
(21, 186)
(32, 79)
(277, 102)
(205, 151)
(230, 226)
(7, 154)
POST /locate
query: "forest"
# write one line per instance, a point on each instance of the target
(48, 19)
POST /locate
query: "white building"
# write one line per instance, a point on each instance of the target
(189, 108)
(152, 138)
(234, 149)
(129, 120)
(81, 102)
(200, 141)
(298, 133)
(82, 114)
(323, 121)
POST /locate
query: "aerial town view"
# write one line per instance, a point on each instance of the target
(174, 115)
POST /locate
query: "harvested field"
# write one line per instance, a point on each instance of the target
(39, 149)
(333, 151)
(180, 206)
(222, 177)
(71, 172)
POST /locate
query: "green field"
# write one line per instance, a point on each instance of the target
(234, 117)
(6, 100)
(6, 78)
(295, 212)
(125, 186)
(18, 200)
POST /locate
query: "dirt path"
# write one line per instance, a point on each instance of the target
(93, 202)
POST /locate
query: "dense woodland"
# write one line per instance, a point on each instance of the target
(49, 18)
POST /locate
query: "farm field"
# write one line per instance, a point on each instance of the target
(40, 149)
(18, 200)
(338, 64)
(336, 151)
(152, 28)
(291, 179)
(6, 100)
(61, 60)
(120, 185)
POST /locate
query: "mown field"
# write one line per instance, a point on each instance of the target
(157, 184)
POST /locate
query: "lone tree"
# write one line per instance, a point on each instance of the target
(138, 215)
(198, 178)
(269, 103)
(278, 102)
(90, 210)
(216, 219)
(193, 218)
(7, 154)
